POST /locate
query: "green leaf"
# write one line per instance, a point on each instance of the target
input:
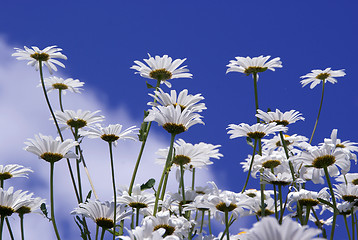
(149, 184)
(325, 202)
(143, 128)
(44, 210)
(88, 195)
(249, 141)
(148, 85)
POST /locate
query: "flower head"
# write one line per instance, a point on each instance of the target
(253, 65)
(78, 119)
(173, 119)
(13, 170)
(46, 56)
(184, 100)
(11, 201)
(49, 149)
(279, 117)
(162, 69)
(73, 85)
(256, 131)
(111, 133)
(102, 213)
(317, 76)
(31, 205)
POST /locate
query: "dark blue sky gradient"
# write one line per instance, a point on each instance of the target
(102, 39)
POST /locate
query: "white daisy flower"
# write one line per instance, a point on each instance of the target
(256, 131)
(282, 179)
(111, 133)
(184, 100)
(349, 178)
(317, 76)
(162, 69)
(314, 161)
(138, 199)
(11, 201)
(70, 84)
(49, 149)
(78, 119)
(46, 56)
(269, 228)
(292, 142)
(253, 65)
(269, 207)
(173, 119)
(102, 213)
(32, 204)
(279, 117)
(307, 198)
(347, 192)
(191, 156)
(145, 232)
(13, 170)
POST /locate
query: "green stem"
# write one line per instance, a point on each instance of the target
(262, 189)
(60, 99)
(202, 220)
(319, 111)
(352, 216)
(182, 182)
(114, 190)
(193, 180)
(9, 228)
(209, 222)
(58, 128)
(97, 227)
(103, 231)
(22, 226)
(356, 223)
(1, 226)
(275, 200)
(289, 162)
(280, 197)
(256, 95)
(166, 166)
(141, 149)
(137, 217)
(308, 209)
(52, 167)
(346, 223)
(252, 162)
(333, 200)
(227, 225)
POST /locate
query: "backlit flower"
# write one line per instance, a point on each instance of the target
(11, 201)
(13, 170)
(46, 56)
(253, 65)
(317, 76)
(70, 84)
(162, 69)
(49, 149)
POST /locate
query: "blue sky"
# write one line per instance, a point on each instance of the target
(101, 41)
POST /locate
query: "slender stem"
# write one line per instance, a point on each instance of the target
(60, 99)
(352, 216)
(262, 189)
(319, 111)
(280, 197)
(103, 231)
(114, 191)
(275, 200)
(79, 178)
(1, 225)
(356, 223)
(308, 209)
(166, 166)
(209, 222)
(97, 227)
(9, 228)
(333, 200)
(227, 225)
(22, 226)
(137, 217)
(165, 184)
(58, 128)
(193, 180)
(256, 95)
(182, 182)
(319, 224)
(52, 167)
(346, 223)
(252, 162)
(141, 148)
(202, 220)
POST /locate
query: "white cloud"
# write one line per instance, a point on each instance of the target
(24, 113)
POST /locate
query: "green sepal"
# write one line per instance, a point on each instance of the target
(148, 85)
(89, 195)
(44, 210)
(149, 184)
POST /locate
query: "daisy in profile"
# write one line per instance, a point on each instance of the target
(70, 84)
(46, 56)
(349, 178)
(11, 201)
(111, 133)
(102, 213)
(162, 69)
(184, 100)
(315, 77)
(49, 149)
(292, 143)
(253, 65)
(269, 228)
(32, 204)
(78, 119)
(256, 131)
(13, 170)
(189, 155)
(279, 117)
(173, 119)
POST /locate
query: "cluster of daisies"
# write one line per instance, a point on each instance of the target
(283, 163)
